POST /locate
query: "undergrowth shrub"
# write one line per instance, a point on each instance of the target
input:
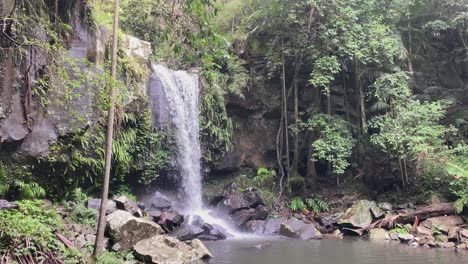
(28, 234)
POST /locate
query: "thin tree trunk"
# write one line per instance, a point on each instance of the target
(346, 106)
(311, 179)
(285, 113)
(296, 126)
(99, 244)
(410, 47)
(406, 172)
(296, 100)
(402, 173)
(362, 104)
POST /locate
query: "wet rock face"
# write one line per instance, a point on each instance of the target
(35, 126)
(165, 249)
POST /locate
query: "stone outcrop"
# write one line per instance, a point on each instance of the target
(169, 250)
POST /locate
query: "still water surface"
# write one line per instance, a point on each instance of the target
(346, 251)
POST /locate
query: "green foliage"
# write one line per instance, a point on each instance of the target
(28, 234)
(152, 150)
(324, 72)
(402, 229)
(410, 130)
(457, 167)
(297, 204)
(317, 205)
(216, 126)
(388, 90)
(178, 31)
(313, 203)
(265, 177)
(335, 141)
(78, 212)
(18, 182)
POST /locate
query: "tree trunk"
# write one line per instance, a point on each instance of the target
(362, 103)
(311, 177)
(99, 244)
(410, 47)
(285, 113)
(402, 173)
(296, 125)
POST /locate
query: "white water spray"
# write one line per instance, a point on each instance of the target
(179, 105)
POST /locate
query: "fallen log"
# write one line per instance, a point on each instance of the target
(426, 212)
(416, 216)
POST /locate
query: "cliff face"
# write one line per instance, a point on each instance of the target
(33, 118)
(440, 73)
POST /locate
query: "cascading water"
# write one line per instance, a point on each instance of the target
(174, 97)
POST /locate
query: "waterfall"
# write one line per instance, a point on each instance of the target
(181, 102)
(174, 98)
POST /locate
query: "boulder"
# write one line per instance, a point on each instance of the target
(423, 231)
(264, 227)
(169, 250)
(327, 220)
(405, 238)
(212, 232)
(160, 202)
(187, 232)
(169, 220)
(464, 233)
(443, 223)
(231, 200)
(295, 228)
(453, 233)
(387, 207)
(441, 238)
(425, 240)
(127, 230)
(352, 231)
(273, 226)
(393, 235)
(360, 215)
(446, 244)
(463, 246)
(255, 226)
(96, 204)
(241, 217)
(379, 234)
(228, 190)
(6, 205)
(124, 203)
